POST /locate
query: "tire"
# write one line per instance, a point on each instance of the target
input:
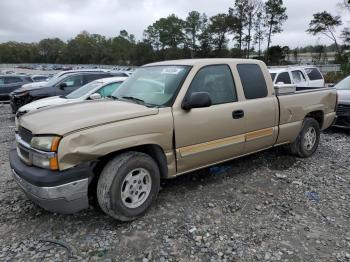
(308, 139)
(118, 177)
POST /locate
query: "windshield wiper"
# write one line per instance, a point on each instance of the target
(133, 99)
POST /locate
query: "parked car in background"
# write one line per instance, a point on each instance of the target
(300, 76)
(9, 83)
(97, 89)
(167, 119)
(39, 78)
(54, 87)
(61, 73)
(343, 107)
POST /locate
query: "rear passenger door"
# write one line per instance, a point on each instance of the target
(260, 108)
(315, 77)
(211, 134)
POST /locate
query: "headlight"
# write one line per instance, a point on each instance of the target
(21, 94)
(45, 143)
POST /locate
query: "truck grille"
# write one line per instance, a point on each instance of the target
(25, 134)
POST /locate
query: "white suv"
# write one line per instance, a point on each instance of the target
(306, 76)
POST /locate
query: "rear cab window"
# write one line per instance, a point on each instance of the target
(253, 81)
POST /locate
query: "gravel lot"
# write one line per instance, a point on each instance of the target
(266, 207)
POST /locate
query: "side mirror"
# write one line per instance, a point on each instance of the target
(62, 86)
(95, 96)
(196, 100)
(331, 85)
(280, 83)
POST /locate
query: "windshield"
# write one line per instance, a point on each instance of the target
(153, 85)
(343, 84)
(273, 75)
(84, 90)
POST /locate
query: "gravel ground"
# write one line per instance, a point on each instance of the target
(266, 207)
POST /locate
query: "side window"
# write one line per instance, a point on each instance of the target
(298, 76)
(74, 81)
(12, 80)
(284, 78)
(314, 74)
(217, 81)
(253, 81)
(91, 77)
(120, 74)
(39, 78)
(108, 89)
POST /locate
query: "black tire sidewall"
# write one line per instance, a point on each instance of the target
(140, 161)
(307, 124)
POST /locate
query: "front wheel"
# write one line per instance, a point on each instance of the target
(128, 185)
(308, 139)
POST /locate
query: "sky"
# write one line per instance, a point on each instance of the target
(33, 20)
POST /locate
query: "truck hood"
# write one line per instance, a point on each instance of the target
(67, 118)
(343, 96)
(45, 102)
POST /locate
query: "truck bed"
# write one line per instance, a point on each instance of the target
(294, 105)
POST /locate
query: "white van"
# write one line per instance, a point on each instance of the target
(305, 76)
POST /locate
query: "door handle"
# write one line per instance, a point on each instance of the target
(237, 114)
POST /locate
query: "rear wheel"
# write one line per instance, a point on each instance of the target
(128, 185)
(308, 139)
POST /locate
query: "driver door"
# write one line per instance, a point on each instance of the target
(72, 83)
(204, 136)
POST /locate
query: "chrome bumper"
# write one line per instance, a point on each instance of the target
(66, 199)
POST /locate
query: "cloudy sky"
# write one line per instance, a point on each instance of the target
(32, 20)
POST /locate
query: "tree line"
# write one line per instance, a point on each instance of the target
(244, 30)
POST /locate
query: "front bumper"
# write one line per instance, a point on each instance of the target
(343, 115)
(342, 121)
(64, 192)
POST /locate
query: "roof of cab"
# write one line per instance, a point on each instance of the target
(204, 61)
(278, 70)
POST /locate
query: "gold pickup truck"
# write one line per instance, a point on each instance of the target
(168, 119)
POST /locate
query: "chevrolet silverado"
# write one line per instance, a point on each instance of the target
(168, 119)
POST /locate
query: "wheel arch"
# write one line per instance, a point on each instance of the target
(153, 150)
(318, 115)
